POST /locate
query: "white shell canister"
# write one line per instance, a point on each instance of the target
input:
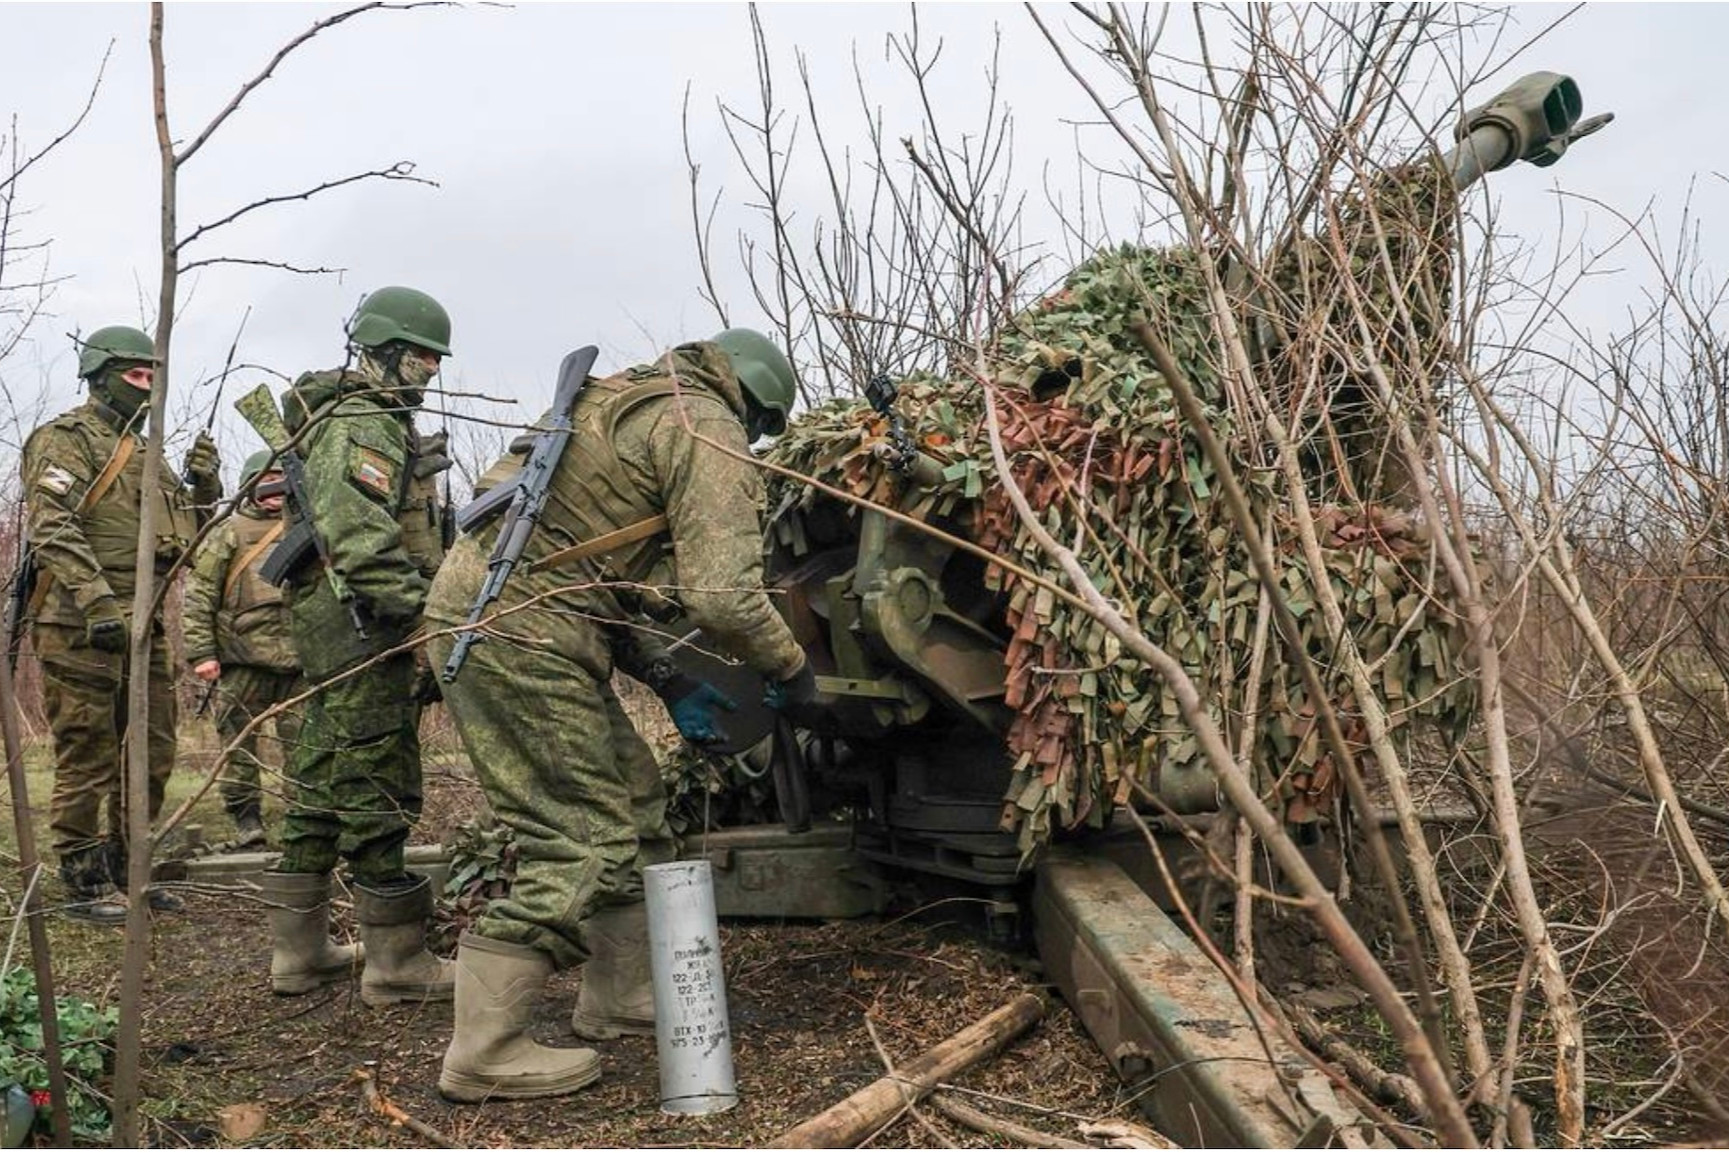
(692, 1035)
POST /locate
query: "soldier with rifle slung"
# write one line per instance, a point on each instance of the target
(238, 639)
(358, 559)
(637, 480)
(83, 474)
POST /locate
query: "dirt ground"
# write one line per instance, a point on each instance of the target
(799, 995)
(805, 999)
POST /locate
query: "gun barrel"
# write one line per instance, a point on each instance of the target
(1487, 148)
(458, 654)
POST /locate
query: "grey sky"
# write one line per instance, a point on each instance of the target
(562, 215)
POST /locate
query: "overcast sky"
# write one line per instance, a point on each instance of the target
(562, 212)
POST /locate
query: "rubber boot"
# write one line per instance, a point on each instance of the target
(490, 1056)
(304, 957)
(393, 928)
(91, 896)
(616, 998)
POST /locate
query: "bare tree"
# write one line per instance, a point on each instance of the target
(24, 298)
(175, 260)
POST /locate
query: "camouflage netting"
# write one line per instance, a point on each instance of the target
(1096, 441)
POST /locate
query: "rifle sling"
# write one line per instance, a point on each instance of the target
(604, 543)
(117, 461)
(237, 569)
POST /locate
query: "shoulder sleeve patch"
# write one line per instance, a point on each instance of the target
(373, 471)
(56, 480)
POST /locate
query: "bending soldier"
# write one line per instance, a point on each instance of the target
(238, 639)
(83, 474)
(355, 770)
(556, 755)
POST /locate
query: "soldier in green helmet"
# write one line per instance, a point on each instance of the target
(83, 491)
(238, 639)
(355, 769)
(659, 458)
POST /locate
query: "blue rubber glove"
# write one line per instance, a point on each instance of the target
(694, 711)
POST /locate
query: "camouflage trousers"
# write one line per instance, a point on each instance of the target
(355, 775)
(84, 693)
(242, 693)
(564, 769)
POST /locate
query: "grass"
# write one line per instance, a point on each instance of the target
(198, 745)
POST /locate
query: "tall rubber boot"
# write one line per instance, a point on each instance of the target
(616, 998)
(490, 1056)
(304, 957)
(393, 928)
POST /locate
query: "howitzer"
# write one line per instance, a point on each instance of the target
(302, 541)
(527, 498)
(912, 637)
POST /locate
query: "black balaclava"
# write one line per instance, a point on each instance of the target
(107, 387)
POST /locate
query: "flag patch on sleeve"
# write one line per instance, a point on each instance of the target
(374, 472)
(56, 480)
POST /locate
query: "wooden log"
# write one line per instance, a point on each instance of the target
(1392, 1088)
(1021, 1135)
(845, 1124)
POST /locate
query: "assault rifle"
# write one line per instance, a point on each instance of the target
(227, 367)
(302, 539)
(18, 601)
(527, 497)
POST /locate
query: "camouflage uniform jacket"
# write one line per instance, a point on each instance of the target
(380, 520)
(84, 556)
(660, 439)
(238, 618)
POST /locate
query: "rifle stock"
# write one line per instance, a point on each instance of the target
(258, 407)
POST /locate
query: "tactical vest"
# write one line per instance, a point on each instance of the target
(594, 492)
(252, 624)
(111, 523)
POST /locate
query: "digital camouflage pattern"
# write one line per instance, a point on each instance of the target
(565, 771)
(663, 438)
(241, 621)
(86, 565)
(356, 768)
(242, 693)
(1082, 404)
(560, 763)
(238, 618)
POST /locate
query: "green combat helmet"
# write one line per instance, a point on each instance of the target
(403, 314)
(116, 342)
(763, 370)
(254, 465)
